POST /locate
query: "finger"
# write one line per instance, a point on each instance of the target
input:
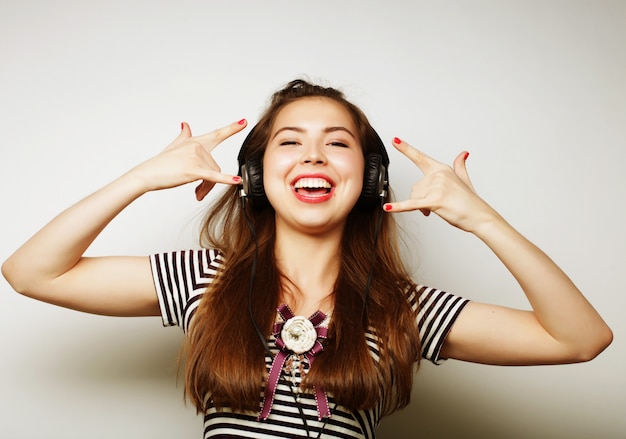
(461, 170)
(211, 179)
(214, 138)
(218, 177)
(423, 161)
(185, 130)
(407, 206)
(206, 186)
(203, 189)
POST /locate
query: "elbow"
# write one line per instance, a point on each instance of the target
(7, 272)
(11, 272)
(595, 346)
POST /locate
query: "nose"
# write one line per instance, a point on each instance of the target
(313, 153)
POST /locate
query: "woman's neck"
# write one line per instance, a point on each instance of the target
(311, 265)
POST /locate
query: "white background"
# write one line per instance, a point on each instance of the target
(535, 90)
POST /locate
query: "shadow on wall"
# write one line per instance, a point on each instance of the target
(469, 401)
(440, 409)
(113, 352)
(453, 401)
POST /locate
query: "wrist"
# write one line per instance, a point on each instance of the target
(134, 183)
(490, 223)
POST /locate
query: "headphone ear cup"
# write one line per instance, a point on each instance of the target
(371, 180)
(256, 191)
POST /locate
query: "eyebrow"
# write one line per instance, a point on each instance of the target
(325, 130)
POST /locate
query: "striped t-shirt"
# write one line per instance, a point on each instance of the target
(181, 279)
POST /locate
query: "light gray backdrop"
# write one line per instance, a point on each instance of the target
(535, 90)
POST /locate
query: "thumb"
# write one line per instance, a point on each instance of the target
(185, 130)
(461, 170)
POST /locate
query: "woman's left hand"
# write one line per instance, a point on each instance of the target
(562, 326)
(444, 190)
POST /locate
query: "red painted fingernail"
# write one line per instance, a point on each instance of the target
(397, 141)
(182, 125)
(388, 207)
(237, 179)
(466, 156)
(241, 122)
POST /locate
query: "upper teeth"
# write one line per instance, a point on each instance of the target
(312, 183)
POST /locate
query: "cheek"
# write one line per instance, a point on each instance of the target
(275, 168)
(352, 172)
(353, 169)
(276, 165)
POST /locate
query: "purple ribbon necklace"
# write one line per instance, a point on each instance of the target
(298, 339)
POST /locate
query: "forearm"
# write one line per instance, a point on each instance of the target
(59, 245)
(557, 303)
(50, 266)
(562, 327)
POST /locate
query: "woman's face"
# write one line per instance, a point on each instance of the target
(313, 165)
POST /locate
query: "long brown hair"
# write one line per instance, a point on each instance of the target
(224, 356)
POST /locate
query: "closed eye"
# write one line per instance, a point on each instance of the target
(340, 144)
(288, 142)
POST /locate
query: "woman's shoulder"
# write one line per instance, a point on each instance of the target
(207, 259)
(181, 278)
(420, 295)
(187, 272)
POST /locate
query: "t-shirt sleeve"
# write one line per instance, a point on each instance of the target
(437, 312)
(180, 279)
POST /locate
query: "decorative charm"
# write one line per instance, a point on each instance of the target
(296, 335)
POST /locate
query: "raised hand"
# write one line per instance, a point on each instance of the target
(188, 158)
(50, 266)
(444, 190)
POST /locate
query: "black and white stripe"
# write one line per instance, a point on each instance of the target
(181, 279)
(184, 275)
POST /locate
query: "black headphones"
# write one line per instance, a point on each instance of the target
(375, 176)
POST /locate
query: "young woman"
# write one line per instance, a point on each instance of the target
(301, 320)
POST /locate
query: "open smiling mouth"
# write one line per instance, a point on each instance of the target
(312, 186)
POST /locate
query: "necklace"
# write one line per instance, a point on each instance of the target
(294, 368)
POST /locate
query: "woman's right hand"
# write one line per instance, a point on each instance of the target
(188, 158)
(50, 266)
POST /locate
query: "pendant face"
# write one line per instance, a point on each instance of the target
(299, 334)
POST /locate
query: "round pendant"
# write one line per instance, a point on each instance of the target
(299, 334)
